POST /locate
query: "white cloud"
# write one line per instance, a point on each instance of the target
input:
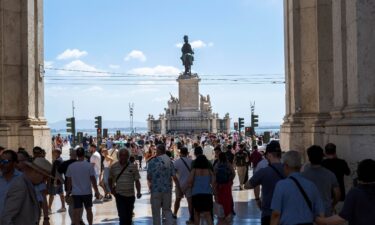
(197, 44)
(112, 66)
(157, 70)
(71, 54)
(136, 54)
(48, 64)
(81, 66)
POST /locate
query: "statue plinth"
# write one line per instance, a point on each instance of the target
(188, 92)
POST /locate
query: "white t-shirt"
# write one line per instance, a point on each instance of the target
(96, 160)
(182, 171)
(208, 151)
(80, 173)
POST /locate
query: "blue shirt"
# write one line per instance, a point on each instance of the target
(160, 171)
(202, 185)
(289, 201)
(4, 187)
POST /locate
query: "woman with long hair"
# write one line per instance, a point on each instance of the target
(202, 182)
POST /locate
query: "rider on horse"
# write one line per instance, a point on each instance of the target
(187, 55)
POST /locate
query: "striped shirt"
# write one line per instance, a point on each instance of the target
(125, 184)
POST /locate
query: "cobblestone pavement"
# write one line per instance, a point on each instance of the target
(106, 213)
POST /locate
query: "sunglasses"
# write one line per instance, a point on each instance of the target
(5, 161)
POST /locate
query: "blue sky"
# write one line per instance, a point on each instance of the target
(237, 37)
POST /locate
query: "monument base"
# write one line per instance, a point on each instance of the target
(190, 113)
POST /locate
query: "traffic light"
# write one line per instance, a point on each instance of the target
(98, 122)
(240, 123)
(105, 133)
(254, 120)
(98, 125)
(79, 137)
(71, 125)
(266, 137)
(235, 126)
(248, 131)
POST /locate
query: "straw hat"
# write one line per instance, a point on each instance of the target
(42, 166)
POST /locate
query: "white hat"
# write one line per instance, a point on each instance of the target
(41, 165)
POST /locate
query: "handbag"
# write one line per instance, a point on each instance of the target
(219, 210)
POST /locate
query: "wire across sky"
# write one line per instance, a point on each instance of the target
(86, 77)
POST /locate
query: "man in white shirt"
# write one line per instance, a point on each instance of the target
(96, 161)
(81, 177)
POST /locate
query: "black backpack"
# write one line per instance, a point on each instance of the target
(240, 158)
(223, 173)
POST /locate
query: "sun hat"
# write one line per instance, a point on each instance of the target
(41, 165)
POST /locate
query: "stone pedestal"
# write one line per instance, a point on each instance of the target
(22, 122)
(163, 126)
(188, 92)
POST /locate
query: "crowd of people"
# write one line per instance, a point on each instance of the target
(200, 168)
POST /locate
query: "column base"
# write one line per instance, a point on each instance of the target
(26, 134)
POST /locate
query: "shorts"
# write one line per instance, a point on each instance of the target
(186, 193)
(55, 190)
(82, 200)
(202, 202)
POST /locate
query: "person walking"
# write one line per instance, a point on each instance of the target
(8, 173)
(107, 163)
(21, 205)
(241, 160)
(296, 200)
(323, 179)
(63, 168)
(160, 173)
(123, 176)
(81, 178)
(55, 185)
(359, 205)
(202, 183)
(183, 168)
(337, 166)
(267, 178)
(224, 174)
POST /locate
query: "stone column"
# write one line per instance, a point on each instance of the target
(149, 123)
(352, 127)
(213, 122)
(163, 127)
(309, 72)
(22, 122)
(227, 123)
